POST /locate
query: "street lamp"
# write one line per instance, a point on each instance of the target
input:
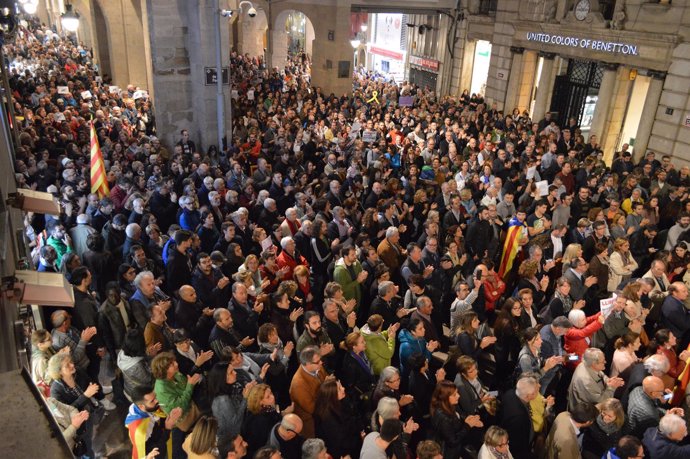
(355, 43)
(220, 102)
(70, 19)
(29, 6)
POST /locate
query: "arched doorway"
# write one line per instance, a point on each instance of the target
(253, 33)
(293, 34)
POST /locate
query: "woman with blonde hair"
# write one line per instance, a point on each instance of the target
(621, 264)
(262, 414)
(496, 444)
(202, 442)
(571, 252)
(41, 352)
(606, 430)
(618, 226)
(251, 266)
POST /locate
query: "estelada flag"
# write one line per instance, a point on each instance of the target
(99, 184)
(511, 245)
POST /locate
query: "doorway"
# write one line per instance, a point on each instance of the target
(575, 93)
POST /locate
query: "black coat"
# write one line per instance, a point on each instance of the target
(256, 428)
(178, 271)
(450, 432)
(340, 432)
(515, 418)
(358, 382)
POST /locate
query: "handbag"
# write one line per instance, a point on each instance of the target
(186, 423)
(79, 448)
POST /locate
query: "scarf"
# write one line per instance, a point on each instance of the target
(361, 358)
(498, 454)
(608, 429)
(567, 302)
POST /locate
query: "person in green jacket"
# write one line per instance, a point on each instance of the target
(173, 390)
(349, 274)
(58, 239)
(380, 344)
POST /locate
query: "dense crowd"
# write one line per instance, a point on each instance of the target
(350, 277)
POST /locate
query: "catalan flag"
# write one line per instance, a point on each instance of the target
(511, 245)
(99, 184)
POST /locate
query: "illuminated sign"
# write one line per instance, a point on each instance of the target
(427, 64)
(584, 43)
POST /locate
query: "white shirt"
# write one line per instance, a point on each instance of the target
(557, 245)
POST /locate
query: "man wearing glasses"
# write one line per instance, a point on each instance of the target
(305, 385)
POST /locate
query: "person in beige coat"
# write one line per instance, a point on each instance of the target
(562, 442)
(589, 383)
(621, 264)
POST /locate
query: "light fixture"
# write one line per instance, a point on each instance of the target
(364, 27)
(8, 23)
(29, 6)
(355, 43)
(70, 19)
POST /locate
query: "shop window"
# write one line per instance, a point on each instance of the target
(606, 8)
(488, 7)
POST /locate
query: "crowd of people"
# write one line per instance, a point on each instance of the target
(350, 277)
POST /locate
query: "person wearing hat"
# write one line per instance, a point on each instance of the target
(190, 357)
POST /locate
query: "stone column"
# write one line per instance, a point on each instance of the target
(651, 102)
(545, 78)
(606, 93)
(514, 80)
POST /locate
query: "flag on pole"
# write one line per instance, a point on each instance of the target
(99, 184)
(511, 245)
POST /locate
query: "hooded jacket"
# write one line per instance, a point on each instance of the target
(380, 348)
(408, 346)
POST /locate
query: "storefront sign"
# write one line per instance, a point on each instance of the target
(584, 43)
(426, 64)
(386, 53)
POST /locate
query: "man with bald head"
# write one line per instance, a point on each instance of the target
(285, 436)
(193, 316)
(644, 406)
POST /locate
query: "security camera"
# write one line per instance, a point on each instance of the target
(252, 12)
(226, 13)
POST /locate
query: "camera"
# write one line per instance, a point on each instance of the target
(252, 12)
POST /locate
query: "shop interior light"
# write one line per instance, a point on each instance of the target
(355, 43)
(364, 27)
(29, 6)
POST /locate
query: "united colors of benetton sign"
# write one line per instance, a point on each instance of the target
(584, 43)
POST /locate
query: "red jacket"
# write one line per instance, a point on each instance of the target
(493, 289)
(575, 339)
(286, 260)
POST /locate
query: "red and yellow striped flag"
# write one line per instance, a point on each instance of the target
(99, 184)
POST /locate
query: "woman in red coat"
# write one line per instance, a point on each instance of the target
(578, 338)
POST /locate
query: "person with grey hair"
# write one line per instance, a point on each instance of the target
(269, 215)
(64, 335)
(146, 295)
(314, 448)
(80, 234)
(589, 383)
(663, 442)
(391, 253)
(388, 409)
(291, 225)
(515, 416)
(383, 304)
(290, 257)
(223, 334)
(133, 237)
(288, 436)
(305, 386)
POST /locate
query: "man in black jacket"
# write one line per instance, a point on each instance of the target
(211, 285)
(479, 235)
(179, 269)
(194, 316)
(515, 416)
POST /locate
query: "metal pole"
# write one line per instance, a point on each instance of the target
(219, 77)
